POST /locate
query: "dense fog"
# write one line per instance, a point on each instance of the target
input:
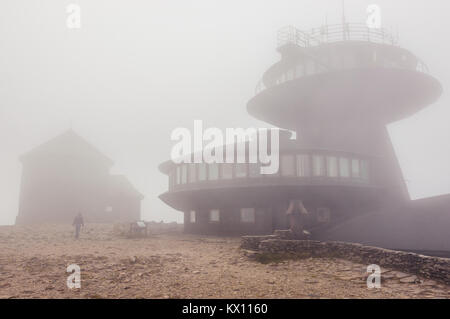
(137, 70)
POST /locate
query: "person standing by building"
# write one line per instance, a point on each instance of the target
(78, 222)
(297, 217)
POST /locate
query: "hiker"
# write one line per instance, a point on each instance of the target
(297, 216)
(78, 222)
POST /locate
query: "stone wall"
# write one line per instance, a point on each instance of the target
(429, 267)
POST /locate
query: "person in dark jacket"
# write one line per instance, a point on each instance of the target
(78, 222)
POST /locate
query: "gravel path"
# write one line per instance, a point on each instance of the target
(33, 265)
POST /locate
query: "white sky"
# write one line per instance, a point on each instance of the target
(138, 69)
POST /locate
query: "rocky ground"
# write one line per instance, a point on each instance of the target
(33, 264)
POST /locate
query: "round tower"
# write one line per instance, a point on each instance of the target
(338, 87)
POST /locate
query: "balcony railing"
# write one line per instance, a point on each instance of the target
(331, 34)
(334, 33)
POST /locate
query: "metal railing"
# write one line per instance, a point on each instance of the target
(334, 33)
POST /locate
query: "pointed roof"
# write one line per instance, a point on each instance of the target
(67, 144)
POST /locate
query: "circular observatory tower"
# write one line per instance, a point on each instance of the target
(336, 87)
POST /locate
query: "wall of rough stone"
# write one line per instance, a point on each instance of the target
(429, 267)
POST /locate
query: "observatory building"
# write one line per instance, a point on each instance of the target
(337, 87)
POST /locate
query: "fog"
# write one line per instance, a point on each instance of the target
(137, 70)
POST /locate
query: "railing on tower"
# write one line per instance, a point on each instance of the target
(334, 33)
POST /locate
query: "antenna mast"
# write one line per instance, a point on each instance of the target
(344, 30)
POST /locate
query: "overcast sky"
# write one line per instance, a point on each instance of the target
(138, 69)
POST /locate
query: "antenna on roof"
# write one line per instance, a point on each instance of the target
(71, 124)
(344, 21)
(324, 33)
(397, 34)
(343, 12)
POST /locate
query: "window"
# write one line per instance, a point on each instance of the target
(287, 165)
(318, 165)
(202, 172)
(254, 170)
(332, 166)
(241, 170)
(192, 173)
(192, 216)
(344, 167)
(302, 165)
(248, 215)
(365, 170)
(213, 172)
(172, 178)
(178, 175)
(183, 174)
(356, 172)
(214, 215)
(227, 171)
